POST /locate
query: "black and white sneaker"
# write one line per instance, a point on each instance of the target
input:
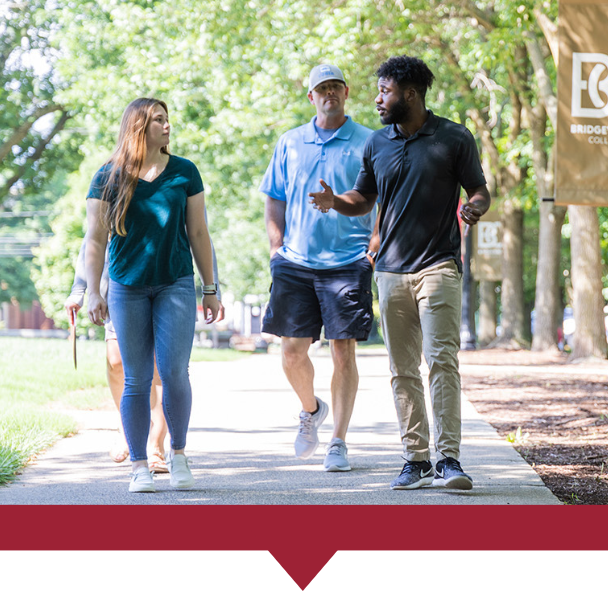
(414, 475)
(449, 474)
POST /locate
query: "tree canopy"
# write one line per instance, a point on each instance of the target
(234, 75)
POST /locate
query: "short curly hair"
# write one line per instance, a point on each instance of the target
(407, 71)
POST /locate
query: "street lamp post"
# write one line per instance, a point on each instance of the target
(467, 324)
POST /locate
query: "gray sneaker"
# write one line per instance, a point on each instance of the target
(335, 458)
(307, 440)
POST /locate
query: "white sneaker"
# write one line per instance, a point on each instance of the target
(335, 458)
(142, 481)
(307, 439)
(181, 476)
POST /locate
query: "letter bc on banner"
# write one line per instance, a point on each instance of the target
(486, 260)
(582, 116)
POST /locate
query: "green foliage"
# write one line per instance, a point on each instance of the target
(15, 271)
(56, 258)
(234, 75)
(573, 499)
(518, 437)
(25, 433)
(32, 144)
(15, 280)
(36, 149)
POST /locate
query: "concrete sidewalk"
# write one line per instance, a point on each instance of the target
(242, 429)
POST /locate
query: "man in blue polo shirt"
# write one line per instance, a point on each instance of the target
(416, 167)
(321, 273)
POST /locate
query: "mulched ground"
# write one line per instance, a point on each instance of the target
(560, 409)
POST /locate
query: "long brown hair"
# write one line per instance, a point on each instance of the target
(126, 160)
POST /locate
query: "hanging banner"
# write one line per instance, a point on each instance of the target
(582, 114)
(486, 259)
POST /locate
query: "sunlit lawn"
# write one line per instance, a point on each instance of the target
(209, 355)
(37, 378)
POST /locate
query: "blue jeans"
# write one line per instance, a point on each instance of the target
(153, 319)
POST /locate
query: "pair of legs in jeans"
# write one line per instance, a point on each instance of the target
(158, 427)
(153, 319)
(421, 314)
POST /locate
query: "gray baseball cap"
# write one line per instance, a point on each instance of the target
(324, 72)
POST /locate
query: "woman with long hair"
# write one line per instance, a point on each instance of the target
(153, 205)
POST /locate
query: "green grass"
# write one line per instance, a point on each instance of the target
(37, 378)
(23, 433)
(210, 355)
(39, 371)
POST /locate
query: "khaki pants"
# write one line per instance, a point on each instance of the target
(421, 313)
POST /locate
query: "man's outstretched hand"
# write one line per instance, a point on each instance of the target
(324, 200)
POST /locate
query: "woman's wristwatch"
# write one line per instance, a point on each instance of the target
(210, 290)
(371, 254)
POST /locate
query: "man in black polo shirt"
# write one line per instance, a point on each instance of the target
(417, 166)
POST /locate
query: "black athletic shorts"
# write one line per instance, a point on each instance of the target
(302, 300)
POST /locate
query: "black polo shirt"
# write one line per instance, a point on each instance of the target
(418, 181)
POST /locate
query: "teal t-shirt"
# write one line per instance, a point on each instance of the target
(156, 249)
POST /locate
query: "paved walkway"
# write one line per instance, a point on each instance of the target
(240, 443)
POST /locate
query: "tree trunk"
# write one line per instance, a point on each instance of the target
(589, 334)
(512, 276)
(487, 312)
(547, 302)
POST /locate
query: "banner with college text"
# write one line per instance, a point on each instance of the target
(486, 260)
(582, 118)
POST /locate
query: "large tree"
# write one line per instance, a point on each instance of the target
(31, 117)
(36, 149)
(590, 336)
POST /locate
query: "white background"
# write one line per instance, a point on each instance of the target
(114, 573)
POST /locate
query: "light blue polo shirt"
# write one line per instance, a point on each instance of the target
(314, 239)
